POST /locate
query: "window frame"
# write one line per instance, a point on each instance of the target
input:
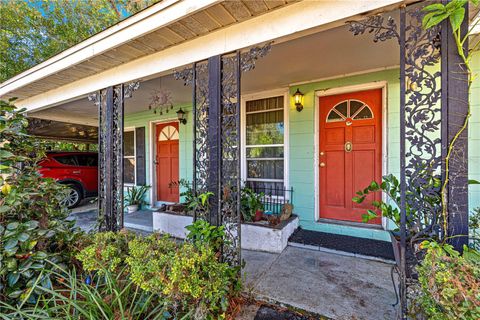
(131, 129)
(286, 136)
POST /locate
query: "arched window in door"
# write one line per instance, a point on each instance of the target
(350, 109)
(168, 133)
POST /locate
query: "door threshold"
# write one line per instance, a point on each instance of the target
(351, 224)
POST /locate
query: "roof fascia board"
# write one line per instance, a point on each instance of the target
(148, 20)
(283, 22)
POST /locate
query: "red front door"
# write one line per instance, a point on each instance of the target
(167, 161)
(350, 152)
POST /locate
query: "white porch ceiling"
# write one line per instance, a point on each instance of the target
(326, 54)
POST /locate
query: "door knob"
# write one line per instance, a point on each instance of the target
(322, 153)
(348, 146)
(322, 164)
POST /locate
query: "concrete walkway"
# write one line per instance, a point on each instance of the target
(331, 285)
(86, 216)
(328, 284)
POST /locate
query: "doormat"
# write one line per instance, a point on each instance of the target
(366, 247)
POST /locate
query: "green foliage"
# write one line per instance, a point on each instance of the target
(107, 295)
(51, 145)
(187, 277)
(33, 224)
(201, 234)
(201, 202)
(108, 251)
(416, 220)
(454, 11)
(450, 283)
(136, 195)
(187, 191)
(250, 203)
(33, 31)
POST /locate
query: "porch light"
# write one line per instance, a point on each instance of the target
(298, 96)
(181, 116)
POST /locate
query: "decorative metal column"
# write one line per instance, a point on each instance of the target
(216, 146)
(421, 115)
(110, 103)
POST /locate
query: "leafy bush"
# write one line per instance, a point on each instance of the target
(33, 223)
(107, 252)
(450, 283)
(201, 234)
(188, 277)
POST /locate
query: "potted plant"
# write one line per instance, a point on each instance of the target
(251, 205)
(135, 197)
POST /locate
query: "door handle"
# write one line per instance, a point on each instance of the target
(322, 164)
(76, 171)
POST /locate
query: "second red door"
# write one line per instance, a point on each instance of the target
(167, 161)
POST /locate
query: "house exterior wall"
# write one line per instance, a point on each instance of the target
(302, 152)
(301, 135)
(147, 119)
(474, 137)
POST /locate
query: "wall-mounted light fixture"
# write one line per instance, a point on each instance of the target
(181, 116)
(298, 97)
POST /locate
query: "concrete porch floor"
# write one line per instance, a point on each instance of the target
(328, 284)
(331, 285)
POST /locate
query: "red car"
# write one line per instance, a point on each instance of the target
(78, 170)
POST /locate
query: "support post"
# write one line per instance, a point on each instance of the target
(110, 167)
(403, 187)
(454, 112)
(214, 142)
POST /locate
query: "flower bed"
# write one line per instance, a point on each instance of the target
(258, 236)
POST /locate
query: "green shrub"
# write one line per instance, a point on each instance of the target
(107, 252)
(450, 283)
(33, 223)
(202, 234)
(188, 277)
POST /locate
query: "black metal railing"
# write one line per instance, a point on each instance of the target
(273, 198)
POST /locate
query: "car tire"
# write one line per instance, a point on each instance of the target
(74, 197)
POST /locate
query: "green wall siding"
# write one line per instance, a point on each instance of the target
(302, 148)
(474, 136)
(301, 140)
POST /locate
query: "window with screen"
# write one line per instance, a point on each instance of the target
(264, 144)
(129, 157)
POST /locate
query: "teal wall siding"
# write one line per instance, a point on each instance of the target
(474, 136)
(302, 148)
(301, 141)
(145, 118)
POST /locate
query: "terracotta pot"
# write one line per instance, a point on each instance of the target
(258, 215)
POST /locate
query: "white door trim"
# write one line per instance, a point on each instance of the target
(347, 89)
